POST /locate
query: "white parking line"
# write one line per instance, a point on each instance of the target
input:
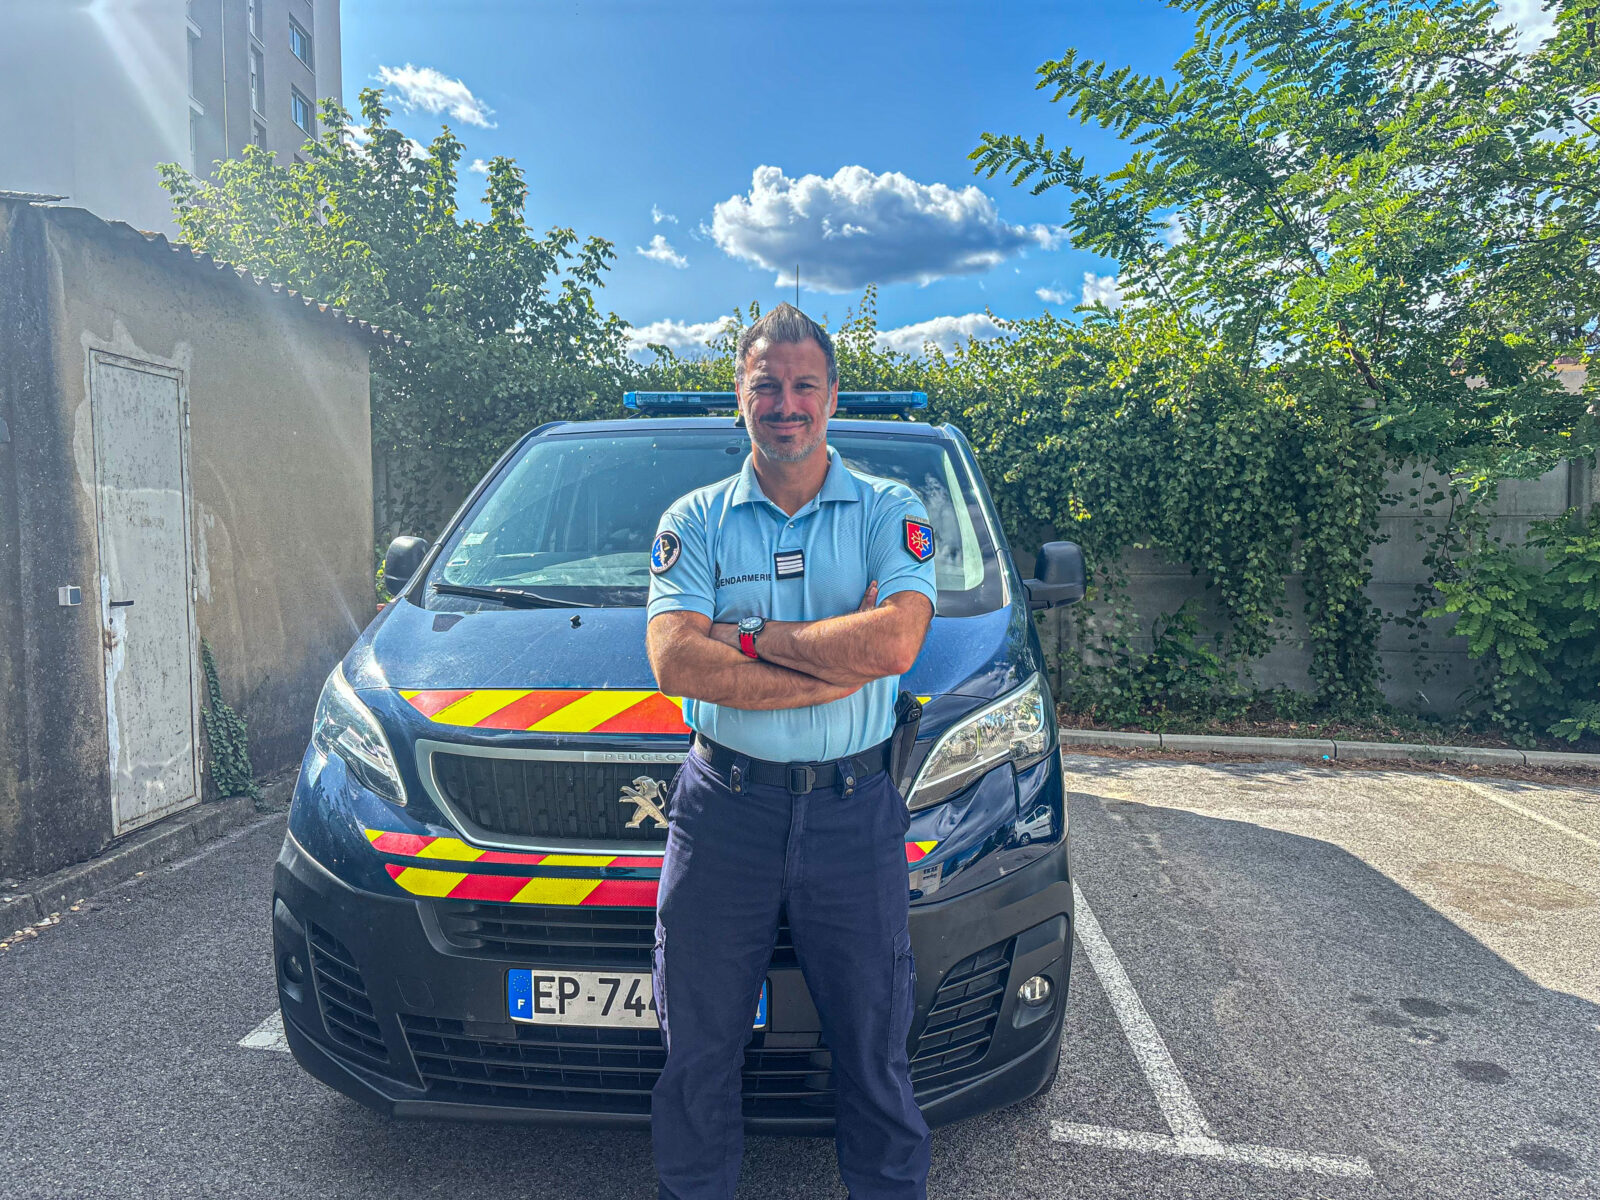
(1248, 1156)
(267, 1036)
(1494, 797)
(1191, 1133)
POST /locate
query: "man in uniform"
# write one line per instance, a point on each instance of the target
(785, 602)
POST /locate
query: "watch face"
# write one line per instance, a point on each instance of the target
(751, 624)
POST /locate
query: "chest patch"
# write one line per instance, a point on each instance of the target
(919, 539)
(789, 564)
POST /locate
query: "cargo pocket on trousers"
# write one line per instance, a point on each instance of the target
(903, 1001)
(658, 975)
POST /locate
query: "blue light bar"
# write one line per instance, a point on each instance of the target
(848, 401)
(644, 400)
(882, 401)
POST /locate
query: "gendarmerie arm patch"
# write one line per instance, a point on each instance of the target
(918, 539)
(789, 564)
(665, 552)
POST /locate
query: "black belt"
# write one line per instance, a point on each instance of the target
(798, 777)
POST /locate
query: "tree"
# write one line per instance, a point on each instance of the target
(501, 326)
(1382, 201)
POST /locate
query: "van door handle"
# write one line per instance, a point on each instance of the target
(122, 604)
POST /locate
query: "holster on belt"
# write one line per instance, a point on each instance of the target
(907, 716)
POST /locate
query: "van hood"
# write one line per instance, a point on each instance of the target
(411, 648)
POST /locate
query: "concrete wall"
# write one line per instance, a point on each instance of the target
(280, 463)
(1429, 679)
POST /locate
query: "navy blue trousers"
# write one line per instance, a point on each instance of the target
(837, 863)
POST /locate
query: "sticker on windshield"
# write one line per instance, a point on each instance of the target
(919, 539)
(665, 552)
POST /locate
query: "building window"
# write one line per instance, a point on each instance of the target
(253, 12)
(258, 83)
(194, 141)
(258, 134)
(193, 43)
(300, 109)
(299, 42)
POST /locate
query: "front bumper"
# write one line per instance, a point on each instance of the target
(381, 1002)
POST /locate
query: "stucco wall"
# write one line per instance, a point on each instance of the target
(54, 771)
(281, 478)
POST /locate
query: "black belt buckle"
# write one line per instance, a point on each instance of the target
(802, 778)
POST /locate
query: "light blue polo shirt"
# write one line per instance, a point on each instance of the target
(739, 555)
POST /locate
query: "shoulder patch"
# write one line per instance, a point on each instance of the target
(665, 551)
(918, 539)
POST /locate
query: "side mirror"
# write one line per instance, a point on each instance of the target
(401, 562)
(1060, 576)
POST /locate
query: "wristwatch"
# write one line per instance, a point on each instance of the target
(749, 627)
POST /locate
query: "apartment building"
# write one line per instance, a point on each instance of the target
(95, 93)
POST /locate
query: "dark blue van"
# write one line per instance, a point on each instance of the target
(478, 825)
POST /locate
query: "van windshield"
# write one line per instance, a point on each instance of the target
(573, 517)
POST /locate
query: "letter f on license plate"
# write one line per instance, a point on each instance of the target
(616, 999)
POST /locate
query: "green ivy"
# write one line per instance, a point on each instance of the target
(226, 736)
(1534, 620)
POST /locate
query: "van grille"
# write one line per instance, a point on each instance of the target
(549, 798)
(599, 1070)
(961, 1021)
(566, 935)
(342, 996)
(585, 1069)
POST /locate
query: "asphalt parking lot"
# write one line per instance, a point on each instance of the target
(1290, 980)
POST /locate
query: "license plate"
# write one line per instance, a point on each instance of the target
(616, 999)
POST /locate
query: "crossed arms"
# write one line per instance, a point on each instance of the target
(802, 662)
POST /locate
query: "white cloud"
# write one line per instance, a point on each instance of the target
(859, 228)
(1533, 23)
(1174, 233)
(431, 91)
(1052, 295)
(679, 335)
(657, 216)
(478, 165)
(358, 134)
(662, 252)
(944, 332)
(1102, 289)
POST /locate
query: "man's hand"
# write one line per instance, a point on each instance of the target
(689, 661)
(728, 634)
(850, 650)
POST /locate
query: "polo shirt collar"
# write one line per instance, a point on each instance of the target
(837, 484)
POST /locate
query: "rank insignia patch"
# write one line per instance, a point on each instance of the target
(919, 539)
(789, 564)
(665, 552)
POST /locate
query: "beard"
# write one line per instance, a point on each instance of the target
(793, 452)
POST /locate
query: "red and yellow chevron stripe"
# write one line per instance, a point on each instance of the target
(553, 710)
(431, 881)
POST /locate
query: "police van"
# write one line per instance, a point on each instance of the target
(464, 906)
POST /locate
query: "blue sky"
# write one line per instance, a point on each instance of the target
(715, 143)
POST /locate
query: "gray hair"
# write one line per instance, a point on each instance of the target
(785, 324)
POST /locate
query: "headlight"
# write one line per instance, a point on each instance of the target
(346, 727)
(1015, 728)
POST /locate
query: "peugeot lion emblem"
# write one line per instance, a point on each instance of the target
(646, 795)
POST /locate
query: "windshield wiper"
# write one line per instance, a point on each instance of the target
(514, 597)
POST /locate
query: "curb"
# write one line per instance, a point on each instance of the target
(50, 895)
(1319, 749)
